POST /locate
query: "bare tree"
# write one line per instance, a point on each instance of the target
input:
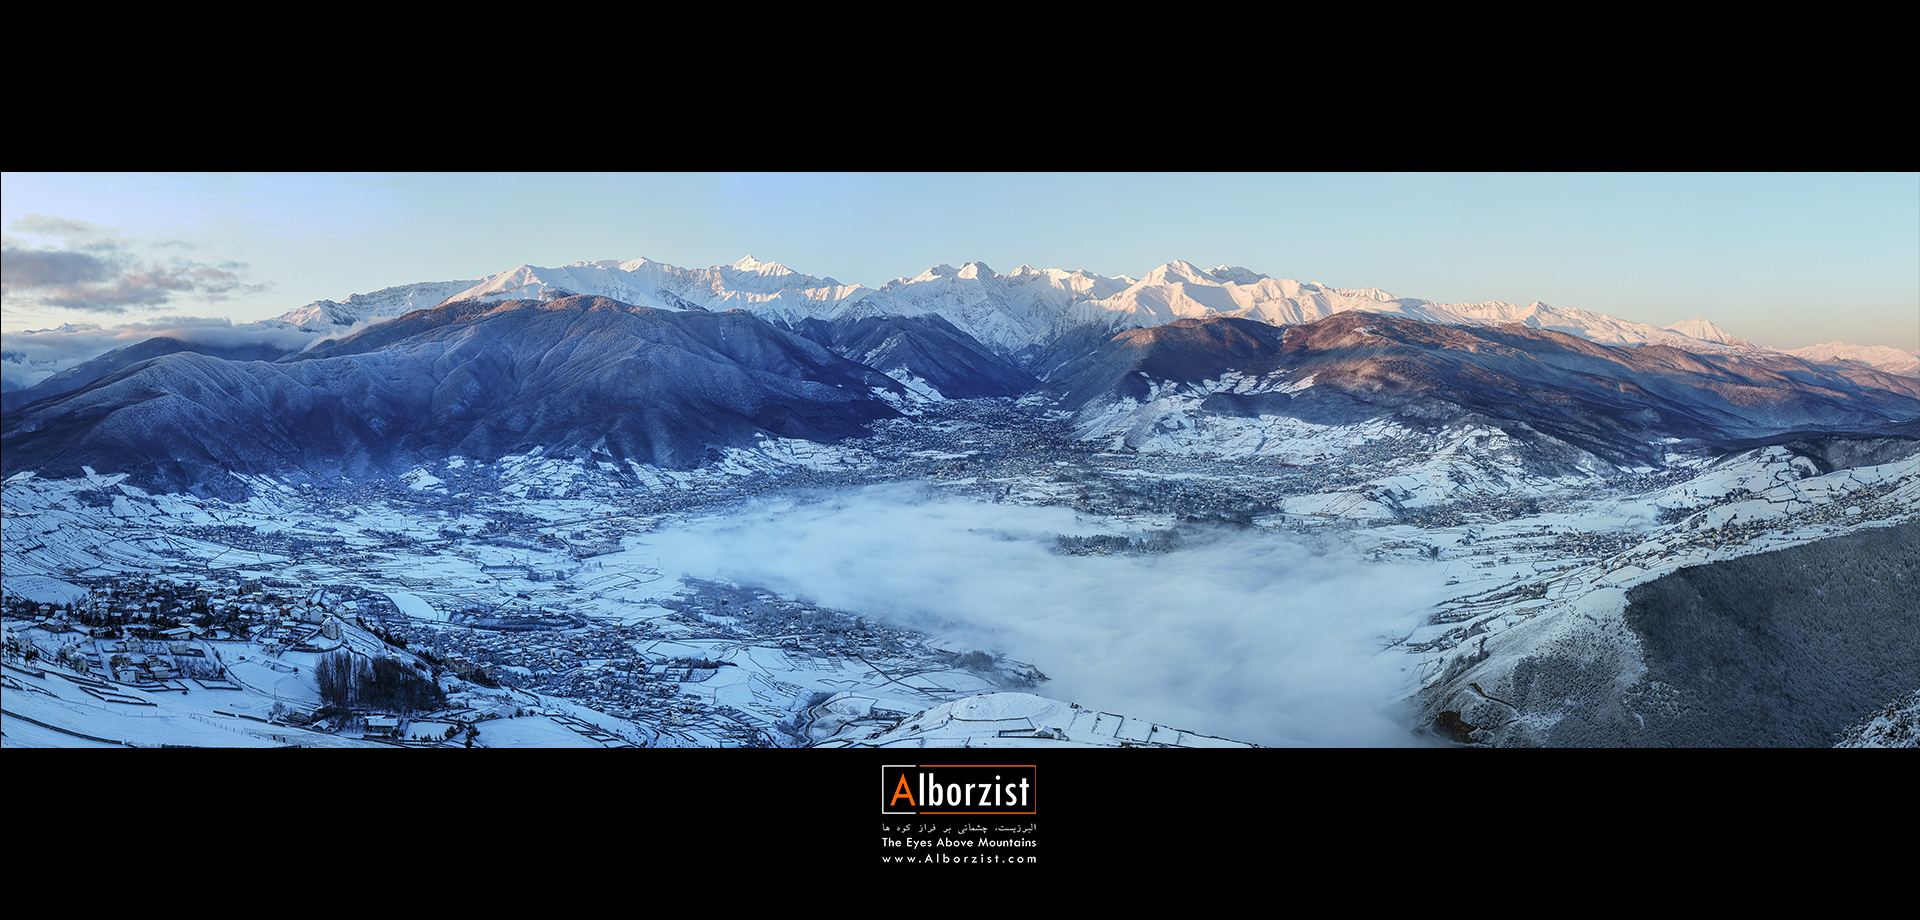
(335, 674)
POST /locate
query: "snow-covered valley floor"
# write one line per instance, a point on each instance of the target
(983, 586)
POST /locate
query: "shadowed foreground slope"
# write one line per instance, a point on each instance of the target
(1781, 649)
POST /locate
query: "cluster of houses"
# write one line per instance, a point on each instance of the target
(142, 631)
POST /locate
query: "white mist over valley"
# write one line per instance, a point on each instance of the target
(1266, 637)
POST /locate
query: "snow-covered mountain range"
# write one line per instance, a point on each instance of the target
(1027, 307)
(1020, 312)
(660, 364)
(328, 316)
(1879, 357)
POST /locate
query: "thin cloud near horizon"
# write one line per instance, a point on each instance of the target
(97, 270)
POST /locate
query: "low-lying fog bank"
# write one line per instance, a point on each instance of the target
(1239, 634)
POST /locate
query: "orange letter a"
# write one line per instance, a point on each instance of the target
(903, 790)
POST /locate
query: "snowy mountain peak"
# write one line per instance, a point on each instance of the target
(518, 274)
(321, 315)
(976, 270)
(1234, 274)
(936, 273)
(1705, 331)
(330, 316)
(1178, 270)
(751, 264)
(1880, 357)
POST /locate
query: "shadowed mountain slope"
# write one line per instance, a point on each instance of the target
(580, 376)
(927, 347)
(88, 371)
(1612, 400)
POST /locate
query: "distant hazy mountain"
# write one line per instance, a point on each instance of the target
(1879, 357)
(86, 372)
(330, 317)
(1706, 332)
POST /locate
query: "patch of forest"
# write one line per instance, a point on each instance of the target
(1780, 649)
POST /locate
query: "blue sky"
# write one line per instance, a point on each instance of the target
(1783, 259)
